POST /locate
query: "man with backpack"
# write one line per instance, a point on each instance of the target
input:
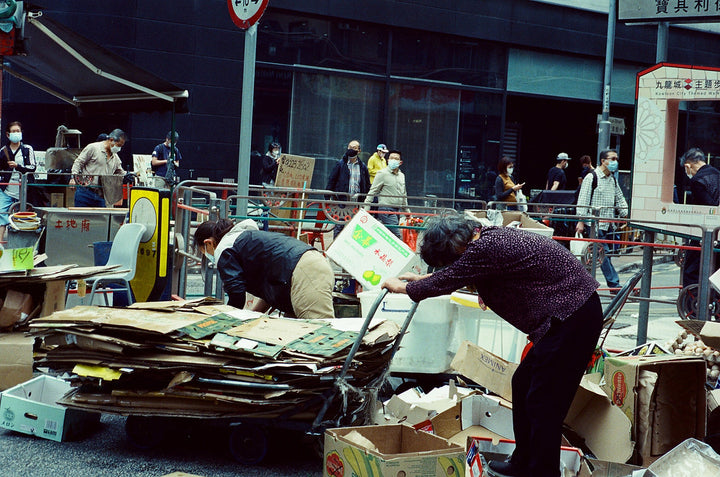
(600, 190)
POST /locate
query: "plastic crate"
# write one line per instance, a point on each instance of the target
(426, 346)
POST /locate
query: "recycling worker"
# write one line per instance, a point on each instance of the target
(281, 271)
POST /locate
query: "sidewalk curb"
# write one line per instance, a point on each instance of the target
(631, 267)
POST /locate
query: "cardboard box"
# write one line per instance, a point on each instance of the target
(485, 368)
(664, 398)
(415, 407)
(604, 427)
(571, 458)
(713, 419)
(710, 334)
(54, 297)
(477, 415)
(30, 408)
(396, 450)
(647, 349)
(16, 359)
(600, 468)
(369, 252)
(16, 307)
(510, 216)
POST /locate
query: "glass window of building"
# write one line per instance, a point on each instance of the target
(446, 58)
(327, 113)
(327, 43)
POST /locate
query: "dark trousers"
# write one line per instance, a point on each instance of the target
(544, 386)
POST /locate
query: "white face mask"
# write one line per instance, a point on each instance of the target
(210, 257)
(115, 149)
(393, 164)
(510, 170)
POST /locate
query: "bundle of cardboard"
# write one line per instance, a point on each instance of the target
(199, 359)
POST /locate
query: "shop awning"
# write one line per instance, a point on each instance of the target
(82, 73)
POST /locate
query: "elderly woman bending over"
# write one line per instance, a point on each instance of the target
(539, 287)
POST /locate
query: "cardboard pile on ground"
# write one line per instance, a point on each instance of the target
(202, 359)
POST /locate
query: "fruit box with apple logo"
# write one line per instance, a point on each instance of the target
(664, 398)
(397, 450)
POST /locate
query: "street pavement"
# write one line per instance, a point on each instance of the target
(107, 452)
(662, 317)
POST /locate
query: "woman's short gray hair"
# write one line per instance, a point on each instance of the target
(445, 237)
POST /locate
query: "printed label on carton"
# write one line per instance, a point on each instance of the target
(619, 387)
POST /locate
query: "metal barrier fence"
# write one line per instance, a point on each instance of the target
(313, 213)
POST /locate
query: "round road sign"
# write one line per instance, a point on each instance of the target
(245, 13)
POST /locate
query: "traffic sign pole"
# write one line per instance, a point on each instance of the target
(246, 116)
(245, 14)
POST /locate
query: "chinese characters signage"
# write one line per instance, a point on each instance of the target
(17, 259)
(668, 10)
(369, 252)
(295, 171)
(660, 91)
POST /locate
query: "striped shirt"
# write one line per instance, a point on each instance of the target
(354, 168)
(606, 195)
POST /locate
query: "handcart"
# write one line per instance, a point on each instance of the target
(341, 404)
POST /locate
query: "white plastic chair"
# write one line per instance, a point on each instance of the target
(123, 252)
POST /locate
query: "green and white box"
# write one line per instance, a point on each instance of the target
(369, 252)
(31, 408)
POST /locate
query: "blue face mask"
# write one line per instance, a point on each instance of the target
(210, 257)
(15, 137)
(612, 166)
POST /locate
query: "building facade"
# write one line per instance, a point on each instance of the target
(453, 85)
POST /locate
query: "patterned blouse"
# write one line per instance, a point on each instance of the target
(524, 277)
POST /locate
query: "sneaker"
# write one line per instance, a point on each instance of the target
(497, 468)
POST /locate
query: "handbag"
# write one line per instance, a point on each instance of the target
(521, 201)
(579, 247)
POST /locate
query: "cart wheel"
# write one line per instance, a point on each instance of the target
(271, 198)
(687, 304)
(248, 443)
(587, 257)
(679, 257)
(144, 432)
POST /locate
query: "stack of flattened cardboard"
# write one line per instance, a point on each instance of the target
(203, 360)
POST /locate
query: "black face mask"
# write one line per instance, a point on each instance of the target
(351, 153)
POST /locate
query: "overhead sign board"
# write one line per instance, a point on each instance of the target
(674, 11)
(245, 13)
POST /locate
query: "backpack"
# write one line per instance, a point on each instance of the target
(595, 181)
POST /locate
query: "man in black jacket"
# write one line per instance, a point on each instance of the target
(705, 189)
(349, 177)
(280, 271)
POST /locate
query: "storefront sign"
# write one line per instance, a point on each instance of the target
(674, 11)
(660, 90)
